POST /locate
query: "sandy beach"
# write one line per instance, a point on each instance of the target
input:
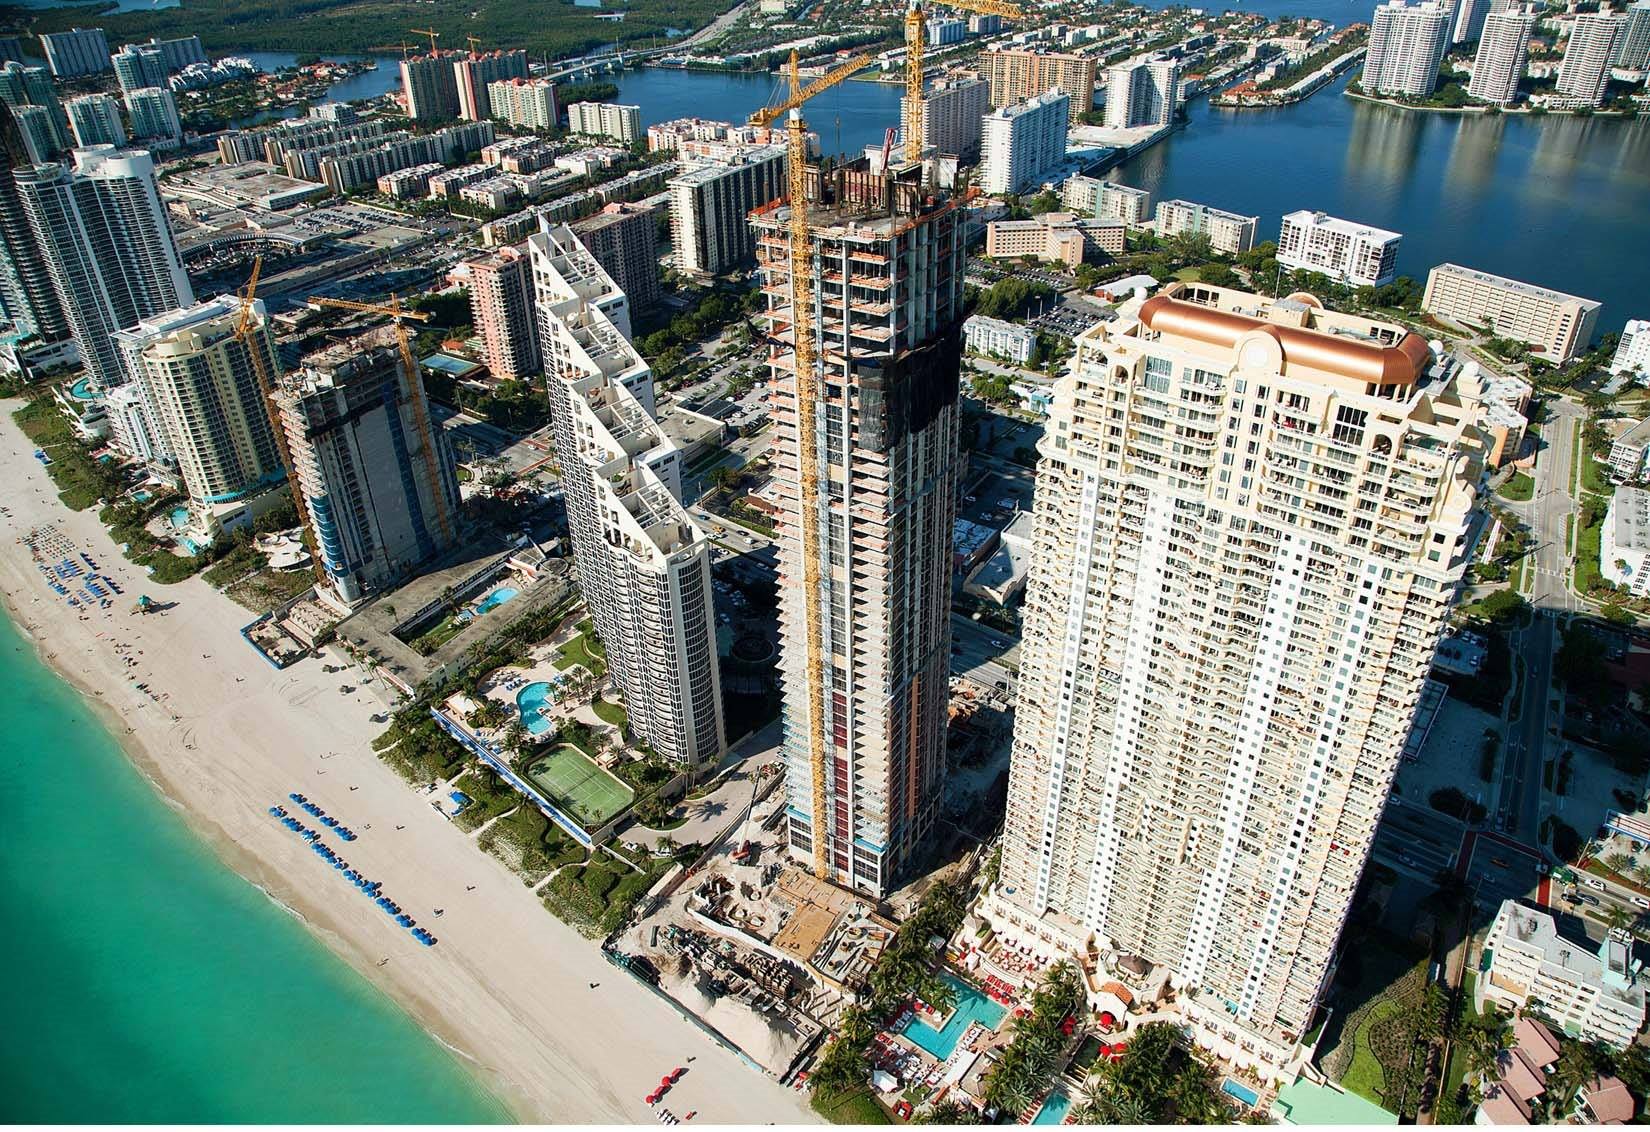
(509, 985)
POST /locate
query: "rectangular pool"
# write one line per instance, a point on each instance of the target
(1241, 1091)
(1054, 1108)
(971, 1006)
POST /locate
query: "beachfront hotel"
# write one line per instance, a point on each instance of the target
(376, 476)
(865, 669)
(1251, 519)
(642, 561)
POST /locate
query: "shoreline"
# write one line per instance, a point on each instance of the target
(1482, 109)
(230, 735)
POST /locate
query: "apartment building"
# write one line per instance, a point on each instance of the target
(708, 206)
(1633, 349)
(1406, 46)
(1106, 200)
(501, 306)
(1624, 548)
(180, 51)
(102, 233)
(203, 397)
(643, 563)
(1467, 24)
(1585, 69)
(993, 336)
(45, 128)
(429, 86)
(1630, 453)
(1227, 231)
(1594, 995)
(138, 66)
(1503, 55)
(27, 293)
(605, 120)
(1018, 75)
(951, 111)
(154, 115)
(94, 119)
(75, 53)
(1345, 251)
(865, 652)
(624, 238)
(1553, 324)
(1633, 46)
(1024, 144)
(1059, 236)
(1251, 519)
(475, 74)
(1142, 92)
(529, 103)
(409, 184)
(375, 470)
(362, 163)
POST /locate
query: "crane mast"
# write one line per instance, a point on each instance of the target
(916, 31)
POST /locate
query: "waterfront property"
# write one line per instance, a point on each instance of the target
(1555, 325)
(938, 1035)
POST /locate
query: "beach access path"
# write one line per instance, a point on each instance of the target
(225, 736)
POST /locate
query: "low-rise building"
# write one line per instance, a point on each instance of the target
(1633, 351)
(1228, 232)
(1056, 236)
(1596, 996)
(1555, 325)
(982, 335)
(409, 184)
(1630, 453)
(1345, 251)
(1624, 547)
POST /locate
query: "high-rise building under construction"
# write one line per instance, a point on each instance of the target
(865, 524)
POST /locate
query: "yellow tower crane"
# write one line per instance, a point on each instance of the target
(421, 409)
(472, 41)
(916, 29)
(244, 334)
(431, 32)
(807, 394)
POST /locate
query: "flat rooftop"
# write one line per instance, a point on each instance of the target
(1516, 285)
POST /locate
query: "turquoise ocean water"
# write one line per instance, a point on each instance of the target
(147, 982)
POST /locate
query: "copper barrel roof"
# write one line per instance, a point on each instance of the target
(1369, 362)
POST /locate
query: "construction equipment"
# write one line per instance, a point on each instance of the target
(472, 41)
(431, 32)
(916, 31)
(421, 407)
(266, 387)
(807, 394)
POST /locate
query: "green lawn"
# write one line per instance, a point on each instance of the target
(1518, 489)
(611, 713)
(581, 650)
(1593, 479)
(1587, 549)
(1365, 1075)
(854, 1108)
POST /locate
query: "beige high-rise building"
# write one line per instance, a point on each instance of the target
(1585, 70)
(1018, 75)
(1555, 325)
(201, 389)
(501, 306)
(951, 111)
(1251, 519)
(1503, 53)
(643, 563)
(605, 120)
(866, 655)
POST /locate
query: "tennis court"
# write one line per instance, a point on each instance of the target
(571, 779)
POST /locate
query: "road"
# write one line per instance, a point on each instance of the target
(1519, 811)
(987, 656)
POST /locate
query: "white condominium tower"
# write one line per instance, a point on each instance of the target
(1251, 519)
(1406, 46)
(1503, 53)
(1024, 143)
(102, 231)
(865, 655)
(203, 399)
(643, 563)
(95, 120)
(1143, 92)
(1585, 70)
(1633, 46)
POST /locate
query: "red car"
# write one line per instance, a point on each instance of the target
(677, 1073)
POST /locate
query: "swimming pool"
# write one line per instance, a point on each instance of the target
(179, 518)
(495, 599)
(971, 1006)
(1054, 1109)
(82, 390)
(528, 701)
(1241, 1091)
